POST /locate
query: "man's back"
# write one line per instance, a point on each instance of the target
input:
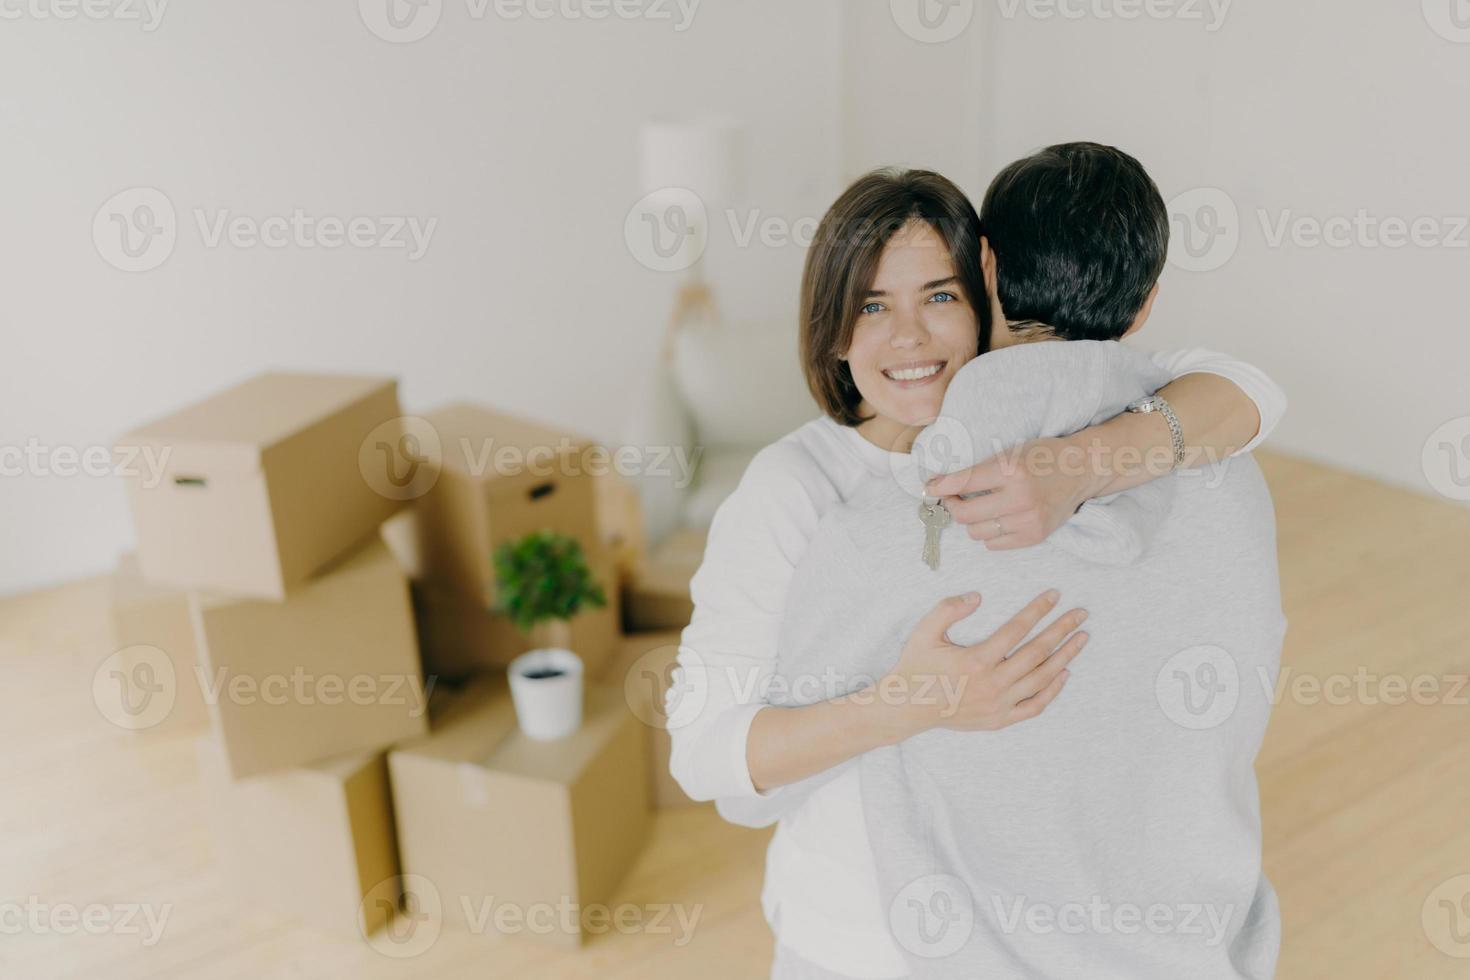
(1118, 833)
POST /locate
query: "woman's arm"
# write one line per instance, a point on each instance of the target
(727, 653)
(995, 683)
(1224, 407)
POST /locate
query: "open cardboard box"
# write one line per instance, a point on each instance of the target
(496, 820)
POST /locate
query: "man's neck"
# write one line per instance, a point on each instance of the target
(1025, 332)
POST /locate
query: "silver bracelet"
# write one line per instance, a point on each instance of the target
(1154, 403)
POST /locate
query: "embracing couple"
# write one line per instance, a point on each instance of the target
(876, 662)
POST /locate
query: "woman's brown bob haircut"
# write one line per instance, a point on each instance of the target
(843, 261)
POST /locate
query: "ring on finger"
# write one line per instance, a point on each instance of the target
(998, 529)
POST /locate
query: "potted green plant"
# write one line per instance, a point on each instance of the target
(543, 581)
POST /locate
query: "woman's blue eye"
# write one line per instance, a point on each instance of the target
(943, 298)
(872, 308)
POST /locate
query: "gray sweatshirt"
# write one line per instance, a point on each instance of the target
(1118, 834)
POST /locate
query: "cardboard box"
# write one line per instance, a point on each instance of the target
(153, 640)
(541, 829)
(458, 637)
(644, 668)
(259, 487)
(657, 598)
(502, 477)
(332, 669)
(620, 523)
(315, 842)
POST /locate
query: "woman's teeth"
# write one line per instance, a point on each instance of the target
(913, 374)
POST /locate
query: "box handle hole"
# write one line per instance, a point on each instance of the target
(189, 481)
(540, 490)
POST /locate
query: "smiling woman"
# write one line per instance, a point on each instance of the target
(891, 301)
(912, 335)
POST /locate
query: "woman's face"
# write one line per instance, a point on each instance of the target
(916, 329)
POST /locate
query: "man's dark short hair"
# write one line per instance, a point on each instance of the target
(1080, 233)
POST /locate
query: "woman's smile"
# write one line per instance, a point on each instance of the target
(915, 374)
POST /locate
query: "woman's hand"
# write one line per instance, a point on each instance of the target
(1027, 492)
(997, 682)
(1032, 489)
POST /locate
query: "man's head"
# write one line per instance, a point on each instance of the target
(1074, 239)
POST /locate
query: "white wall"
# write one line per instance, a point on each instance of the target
(1316, 107)
(520, 137)
(909, 103)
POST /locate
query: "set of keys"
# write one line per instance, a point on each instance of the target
(935, 519)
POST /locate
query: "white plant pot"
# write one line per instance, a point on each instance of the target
(547, 707)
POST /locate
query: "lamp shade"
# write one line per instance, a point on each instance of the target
(701, 154)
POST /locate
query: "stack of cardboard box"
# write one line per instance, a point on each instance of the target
(261, 576)
(309, 571)
(484, 813)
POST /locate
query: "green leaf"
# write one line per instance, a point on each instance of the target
(543, 576)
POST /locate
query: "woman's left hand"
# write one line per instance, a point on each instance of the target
(1028, 492)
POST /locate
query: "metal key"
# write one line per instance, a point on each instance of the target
(935, 519)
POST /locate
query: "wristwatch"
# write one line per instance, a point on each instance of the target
(1153, 403)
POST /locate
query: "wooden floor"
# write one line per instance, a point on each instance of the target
(1367, 803)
